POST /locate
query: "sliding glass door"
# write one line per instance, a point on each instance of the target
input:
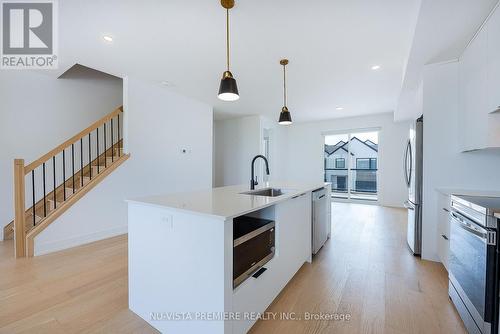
(351, 164)
(336, 164)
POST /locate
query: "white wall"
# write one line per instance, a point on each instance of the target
(38, 112)
(278, 140)
(237, 141)
(159, 124)
(444, 165)
(305, 147)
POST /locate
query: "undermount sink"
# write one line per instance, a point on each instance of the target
(268, 192)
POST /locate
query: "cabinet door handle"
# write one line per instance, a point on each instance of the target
(259, 272)
(298, 196)
(444, 237)
(446, 210)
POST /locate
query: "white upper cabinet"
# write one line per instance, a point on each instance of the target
(493, 78)
(473, 93)
(479, 94)
(493, 55)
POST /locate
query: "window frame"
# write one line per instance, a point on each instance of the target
(339, 160)
(371, 162)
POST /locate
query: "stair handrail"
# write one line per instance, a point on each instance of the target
(73, 139)
(20, 172)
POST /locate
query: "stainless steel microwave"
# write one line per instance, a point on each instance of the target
(253, 246)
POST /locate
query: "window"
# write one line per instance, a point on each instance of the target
(340, 163)
(350, 164)
(366, 163)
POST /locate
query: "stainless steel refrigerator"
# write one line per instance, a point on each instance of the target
(413, 171)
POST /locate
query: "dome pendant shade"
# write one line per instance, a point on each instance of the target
(285, 117)
(228, 90)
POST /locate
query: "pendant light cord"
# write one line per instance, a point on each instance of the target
(284, 85)
(227, 37)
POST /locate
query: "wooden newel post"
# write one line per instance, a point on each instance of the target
(19, 209)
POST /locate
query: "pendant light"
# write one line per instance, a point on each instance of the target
(228, 90)
(285, 116)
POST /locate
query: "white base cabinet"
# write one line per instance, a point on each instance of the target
(293, 248)
(181, 265)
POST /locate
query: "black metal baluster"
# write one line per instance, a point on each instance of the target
(44, 192)
(54, 179)
(90, 158)
(73, 165)
(64, 174)
(105, 160)
(81, 160)
(112, 143)
(33, 194)
(119, 151)
(97, 150)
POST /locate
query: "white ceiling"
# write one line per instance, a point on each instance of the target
(443, 30)
(331, 44)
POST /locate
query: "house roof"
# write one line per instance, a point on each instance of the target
(372, 144)
(330, 149)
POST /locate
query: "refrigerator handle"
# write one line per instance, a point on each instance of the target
(408, 206)
(405, 170)
(410, 150)
(405, 163)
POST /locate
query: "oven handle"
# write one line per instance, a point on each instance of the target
(477, 231)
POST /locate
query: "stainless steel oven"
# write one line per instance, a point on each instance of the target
(253, 246)
(473, 265)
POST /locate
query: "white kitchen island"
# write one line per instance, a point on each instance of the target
(181, 256)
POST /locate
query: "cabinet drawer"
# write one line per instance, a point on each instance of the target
(443, 249)
(255, 295)
(443, 243)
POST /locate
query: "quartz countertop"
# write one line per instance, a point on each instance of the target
(468, 192)
(226, 202)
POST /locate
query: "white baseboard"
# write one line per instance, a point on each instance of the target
(54, 246)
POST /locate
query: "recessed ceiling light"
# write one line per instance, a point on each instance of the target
(107, 38)
(167, 83)
(376, 67)
(339, 108)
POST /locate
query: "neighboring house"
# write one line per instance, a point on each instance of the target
(362, 160)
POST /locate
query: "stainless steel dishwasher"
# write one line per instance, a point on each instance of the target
(320, 202)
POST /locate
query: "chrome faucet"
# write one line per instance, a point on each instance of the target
(253, 181)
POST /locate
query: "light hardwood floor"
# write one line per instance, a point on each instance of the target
(365, 271)
(81, 290)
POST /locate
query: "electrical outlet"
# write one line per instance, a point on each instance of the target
(168, 220)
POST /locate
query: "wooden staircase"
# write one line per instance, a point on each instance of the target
(95, 157)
